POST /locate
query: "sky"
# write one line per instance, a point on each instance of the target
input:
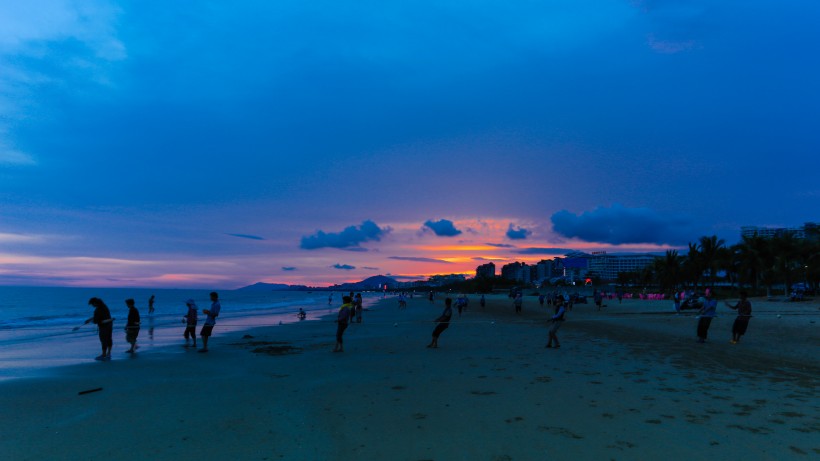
(216, 144)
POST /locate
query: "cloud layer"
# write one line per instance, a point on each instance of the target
(619, 225)
(350, 238)
(517, 233)
(442, 228)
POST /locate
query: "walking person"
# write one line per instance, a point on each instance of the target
(190, 320)
(706, 313)
(517, 302)
(132, 326)
(357, 303)
(461, 303)
(105, 326)
(443, 322)
(482, 302)
(676, 298)
(342, 320)
(556, 321)
(744, 314)
(210, 320)
(151, 304)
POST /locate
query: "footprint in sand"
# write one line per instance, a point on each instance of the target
(560, 431)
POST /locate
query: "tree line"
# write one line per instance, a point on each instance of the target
(754, 262)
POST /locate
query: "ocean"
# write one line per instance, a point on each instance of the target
(37, 324)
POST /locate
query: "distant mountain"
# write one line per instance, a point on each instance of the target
(377, 282)
(261, 286)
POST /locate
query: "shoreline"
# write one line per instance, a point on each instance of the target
(617, 388)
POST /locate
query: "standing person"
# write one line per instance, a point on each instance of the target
(676, 298)
(556, 321)
(357, 302)
(482, 302)
(620, 295)
(190, 321)
(541, 300)
(598, 297)
(517, 302)
(707, 313)
(330, 299)
(744, 314)
(431, 297)
(132, 326)
(461, 303)
(443, 322)
(105, 326)
(342, 320)
(151, 304)
(210, 320)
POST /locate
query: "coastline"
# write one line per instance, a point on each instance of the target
(628, 382)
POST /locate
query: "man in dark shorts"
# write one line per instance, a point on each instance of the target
(342, 320)
(132, 327)
(443, 322)
(556, 321)
(105, 325)
(210, 320)
(744, 313)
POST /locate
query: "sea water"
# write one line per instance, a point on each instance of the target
(42, 328)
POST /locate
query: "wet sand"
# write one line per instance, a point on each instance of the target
(629, 382)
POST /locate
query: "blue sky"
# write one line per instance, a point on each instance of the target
(220, 144)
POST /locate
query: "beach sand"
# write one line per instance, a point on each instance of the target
(629, 382)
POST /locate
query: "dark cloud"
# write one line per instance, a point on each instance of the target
(370, 268)
(247, 236)
(344, 267)
(348, 239)
(423, 260)
(288, 269)
(517, 234)
(543, 251)
(619, 225)
(442, 228)
(500, 245)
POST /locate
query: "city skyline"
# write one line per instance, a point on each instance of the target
(219, 145)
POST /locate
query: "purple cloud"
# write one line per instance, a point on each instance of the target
(442, 228)
(416, 259)
(517, 234)
(620, 225)
(247, 236)
(349, 238)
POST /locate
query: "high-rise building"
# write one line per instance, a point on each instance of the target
(485, 270)
(769, 232)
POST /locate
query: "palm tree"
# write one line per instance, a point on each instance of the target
(786, 258)
(710, 249)
(692, 269)
(749, 254)
(668, 270)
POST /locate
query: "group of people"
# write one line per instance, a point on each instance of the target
(560, 304)
(352, 309)
(105, 323)
(709, 312)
